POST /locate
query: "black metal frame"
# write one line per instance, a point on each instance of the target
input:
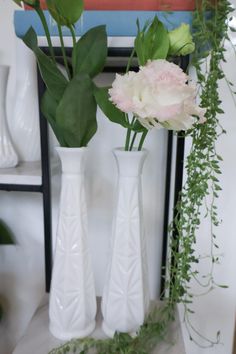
(112, 52)
(43, 188)
(179, 169)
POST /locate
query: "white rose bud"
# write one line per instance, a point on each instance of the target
(181, 41)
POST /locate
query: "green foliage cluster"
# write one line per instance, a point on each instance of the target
(200, 190)
(69, 103)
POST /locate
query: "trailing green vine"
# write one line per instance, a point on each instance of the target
(199, 192)
(202, 166)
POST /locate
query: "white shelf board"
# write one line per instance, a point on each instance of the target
(25, 173)
(113, 42)
(38, 339)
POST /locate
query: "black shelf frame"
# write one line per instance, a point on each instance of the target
(178, 183)
(44, 188)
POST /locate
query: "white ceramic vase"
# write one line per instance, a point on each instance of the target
(125, 301)
(25, 123)
(72, 307)
(8, 156)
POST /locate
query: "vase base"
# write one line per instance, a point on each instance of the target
(111, 332)
(70, 335)
(8, 162)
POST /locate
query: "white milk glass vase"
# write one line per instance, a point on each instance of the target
(125, 301)
(25, 124)
(72, 305)
(8, 156)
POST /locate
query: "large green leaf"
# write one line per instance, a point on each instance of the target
(48, 107)
(52, 76)
(90, 52)
(65, 12)
(76, 113)
(108, 108)
(6, 236)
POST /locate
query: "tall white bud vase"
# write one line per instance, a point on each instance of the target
(72, 307)
(125, 301)
(25, 123)
(8, 156)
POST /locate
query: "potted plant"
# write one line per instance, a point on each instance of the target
(202, 185)
(199, 185)
(70, 107)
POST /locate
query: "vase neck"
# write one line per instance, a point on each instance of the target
(72, 159)
(130, 163)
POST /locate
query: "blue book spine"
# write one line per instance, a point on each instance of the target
(118, 23)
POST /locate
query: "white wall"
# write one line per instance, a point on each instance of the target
(21, 266)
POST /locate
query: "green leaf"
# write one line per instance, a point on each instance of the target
(76, 113)
(90, 52)
(52, 76)
(108, 108)
(18, 2)
(6, 236)
(160, 41)
(48, 107)
(65, 12)
(139, 44)
(152, 42)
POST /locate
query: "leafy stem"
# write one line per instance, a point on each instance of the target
(46, 30)
(133, 141)
(143, 137)
(72, 31)
(64, 51)
(127, 140)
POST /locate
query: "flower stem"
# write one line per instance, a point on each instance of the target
(132, 142)
(72, 31)
(46, 30)
(128, 135)
(63, 51)
(142, 140)
(127, 139)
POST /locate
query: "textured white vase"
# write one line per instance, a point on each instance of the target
(8, 156)
(125, 301)
(72, 306)
(25, 123)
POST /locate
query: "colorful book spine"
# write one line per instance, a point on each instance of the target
(118, 23)
(140, 5)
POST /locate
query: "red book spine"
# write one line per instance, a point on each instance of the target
(139, 5)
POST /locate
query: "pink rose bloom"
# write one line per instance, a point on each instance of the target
(158, 95)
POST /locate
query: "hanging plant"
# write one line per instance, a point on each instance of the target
(202, 166)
